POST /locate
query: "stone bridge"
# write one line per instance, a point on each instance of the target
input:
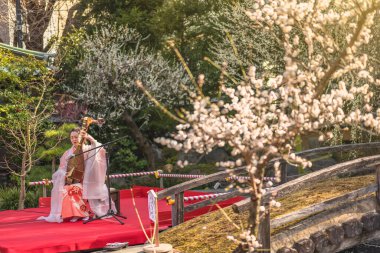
(349, 224)
(331, 226)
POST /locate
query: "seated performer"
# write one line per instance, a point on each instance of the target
(67, 201)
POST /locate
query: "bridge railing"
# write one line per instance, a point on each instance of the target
(177, 191)
(287, 187)
(317, 152)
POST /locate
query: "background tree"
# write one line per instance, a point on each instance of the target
(241, 44)
(25, 108)
(189, 25)
(36, 17)
(135, 14)
(49, 151)
(112, 59)
(259, 119)
(186, 23)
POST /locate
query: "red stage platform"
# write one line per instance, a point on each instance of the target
(21, 232)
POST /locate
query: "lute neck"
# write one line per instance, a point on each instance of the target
(84, 128)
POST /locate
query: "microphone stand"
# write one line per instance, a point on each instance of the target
(110, 212)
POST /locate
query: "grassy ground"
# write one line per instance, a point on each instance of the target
(207, 233)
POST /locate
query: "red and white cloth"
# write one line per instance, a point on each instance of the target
(94, 187)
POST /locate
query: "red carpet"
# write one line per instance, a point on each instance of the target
(20, 232)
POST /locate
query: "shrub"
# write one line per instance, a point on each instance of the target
(9, 198)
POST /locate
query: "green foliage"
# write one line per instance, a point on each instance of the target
(241, 45)
(26, 105)
(16, 73)
(298, 144)
(36, 174)
(39, 172)
(22, 82)
(113, 59)
(151, 180)
(9, 195)
(137, 14)
(32, 197)
(191, 26)
(20, 86)
(14, 180)
(69, 55)
(56, 142)
(170, 156)
(194, 169)
(185, 22)
(107, 84)
(124, 158)
(9, 198)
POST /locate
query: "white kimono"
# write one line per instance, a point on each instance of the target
(94, 187)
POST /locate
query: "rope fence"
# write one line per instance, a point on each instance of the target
(136, 174)
(203, 197)
(158, 175)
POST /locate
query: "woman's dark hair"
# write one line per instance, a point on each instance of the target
(77, 129)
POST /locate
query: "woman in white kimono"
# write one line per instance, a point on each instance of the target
(67, 200)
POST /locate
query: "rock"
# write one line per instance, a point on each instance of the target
(321, 242)
(352, 228)
(371, 222)
(304, 246)
(287, 250)
(335, 234)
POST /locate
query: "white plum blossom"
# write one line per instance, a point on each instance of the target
(259, 118)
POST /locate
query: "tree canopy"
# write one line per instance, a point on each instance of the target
(25, 106)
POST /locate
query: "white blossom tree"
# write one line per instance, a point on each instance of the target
(260, 117)
(241, 46)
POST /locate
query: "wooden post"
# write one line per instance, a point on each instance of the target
(181, 205)
(44, 190)
(161, 180)
(284, 172)
(378, 184)
(178, 209)
(174, 215)
(264, 230)
(156, 236)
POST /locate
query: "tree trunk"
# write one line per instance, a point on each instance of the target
(37, 15)
(142, 142)
(35, 39)
(73, 17)
(21, 199)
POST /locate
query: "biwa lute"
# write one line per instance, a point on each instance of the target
(76, 164)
